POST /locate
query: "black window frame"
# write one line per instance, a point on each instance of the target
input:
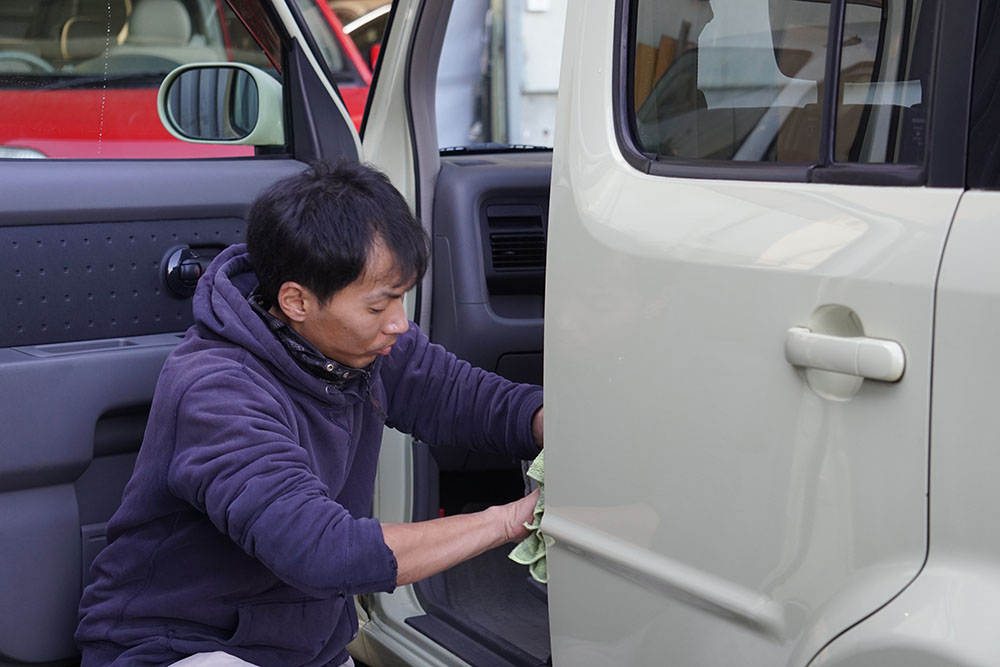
(949, 92)
(983, 171)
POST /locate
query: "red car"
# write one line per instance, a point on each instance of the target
(83, 84)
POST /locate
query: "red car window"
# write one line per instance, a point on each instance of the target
(83, 83)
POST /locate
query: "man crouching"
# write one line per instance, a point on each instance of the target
(244, 531)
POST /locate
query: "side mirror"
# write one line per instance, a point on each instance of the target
(222, 103)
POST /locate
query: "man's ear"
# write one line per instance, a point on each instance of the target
(295, 301)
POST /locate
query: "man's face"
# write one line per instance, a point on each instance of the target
(362, 320)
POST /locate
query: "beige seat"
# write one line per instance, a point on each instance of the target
(90, 29)
(83, 37)
(159, 23)
(158, 38)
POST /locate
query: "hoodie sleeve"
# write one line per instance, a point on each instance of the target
(444, 400)
(237, 460)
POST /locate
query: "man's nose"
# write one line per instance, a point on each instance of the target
(398, 324)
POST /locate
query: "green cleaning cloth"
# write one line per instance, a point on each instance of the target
(531, 550)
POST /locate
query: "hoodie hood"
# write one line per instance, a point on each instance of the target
(221, 309)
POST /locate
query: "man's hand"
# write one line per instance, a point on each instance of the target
(518, 513)
(428, 547)
(538, 427)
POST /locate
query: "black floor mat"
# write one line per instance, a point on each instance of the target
(493, 591)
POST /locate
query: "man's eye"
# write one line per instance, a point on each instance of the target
(376, 311)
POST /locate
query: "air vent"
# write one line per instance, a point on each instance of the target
(513, 250)
(517, 237)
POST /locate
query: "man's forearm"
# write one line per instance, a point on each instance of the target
(425, 548)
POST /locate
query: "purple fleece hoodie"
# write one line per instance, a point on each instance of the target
(244, 527)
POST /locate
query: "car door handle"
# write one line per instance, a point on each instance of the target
(870, 358)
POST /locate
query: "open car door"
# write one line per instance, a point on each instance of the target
(100, 257)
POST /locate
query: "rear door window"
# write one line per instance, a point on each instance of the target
(755, 81)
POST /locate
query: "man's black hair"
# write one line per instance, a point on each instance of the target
(319, 227)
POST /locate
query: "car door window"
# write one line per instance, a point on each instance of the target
(81, 82)
(366, 31)
(100, 256)
(318, 18)
(748, 81)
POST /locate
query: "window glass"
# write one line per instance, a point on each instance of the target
(745, 80)
(367, 31)
(80, 79)
(325, 40)
(880, 114)
(499, 73)
(318, 19)
(348, 70)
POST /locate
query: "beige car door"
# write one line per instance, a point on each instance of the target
(739, 322)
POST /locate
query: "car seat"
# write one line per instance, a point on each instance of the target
(158, 38)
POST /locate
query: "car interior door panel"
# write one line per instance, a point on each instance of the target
(100, 257)
(88, 323)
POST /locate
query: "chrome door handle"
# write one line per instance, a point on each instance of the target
(870, 358)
